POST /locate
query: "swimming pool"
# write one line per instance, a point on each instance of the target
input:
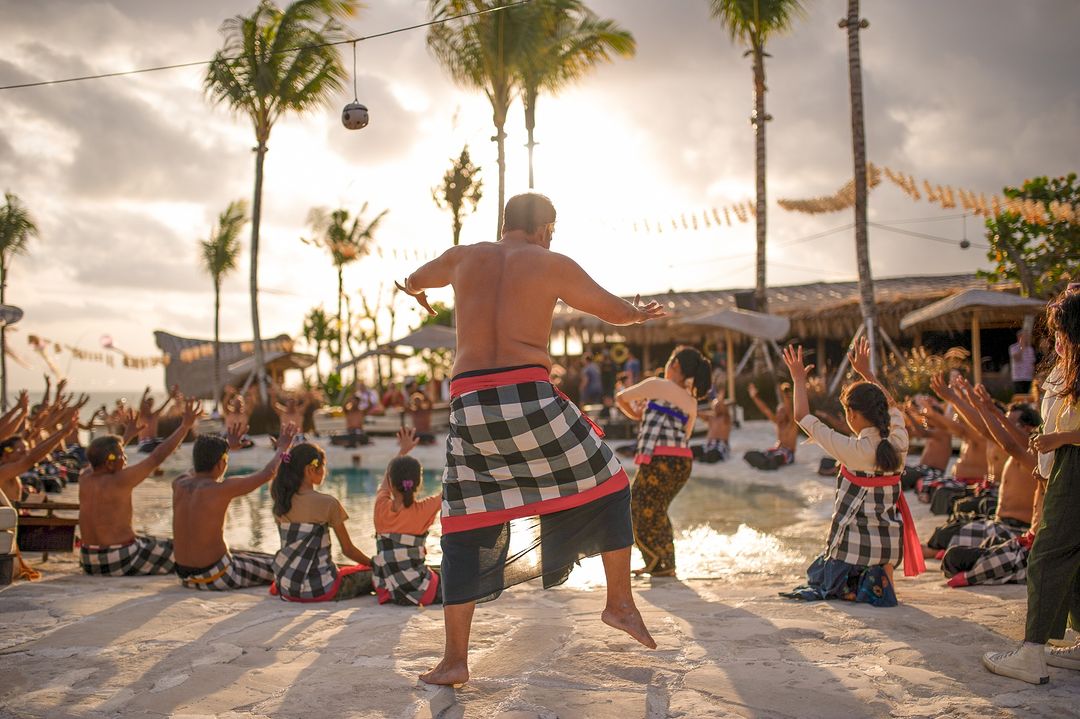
(724, 529)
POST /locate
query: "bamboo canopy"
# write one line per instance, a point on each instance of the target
(191, 361)
(758, 325)
(428, 337)
(820, 309)
(977, 308)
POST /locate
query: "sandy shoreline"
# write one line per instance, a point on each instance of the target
(77, 646)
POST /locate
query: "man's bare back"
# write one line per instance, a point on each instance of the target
(199, 507)
(110, 520)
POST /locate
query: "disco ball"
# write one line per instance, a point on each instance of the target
(354, 116)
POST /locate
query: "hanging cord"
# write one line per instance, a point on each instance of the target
(356, 95)
(283, 50)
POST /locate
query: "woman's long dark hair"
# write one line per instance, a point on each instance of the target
(1063, 315)
(868, 400)
(406, 476)
(696, 367)
(290, 475)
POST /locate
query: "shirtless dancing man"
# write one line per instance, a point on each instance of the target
(517, 448)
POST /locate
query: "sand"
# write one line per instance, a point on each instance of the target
(78, 646)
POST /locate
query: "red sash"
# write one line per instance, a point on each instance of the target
(492, 380)
(914, 565)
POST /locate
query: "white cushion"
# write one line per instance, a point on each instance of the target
(8, 518)
(7, 541)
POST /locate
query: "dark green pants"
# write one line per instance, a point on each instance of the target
(1053, 578)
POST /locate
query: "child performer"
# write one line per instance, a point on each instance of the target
(1053, 579)
(401, 526)
(787, 432)
(872, 530)
(303, 568)
(667, 409)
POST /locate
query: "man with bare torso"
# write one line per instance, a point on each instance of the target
(787, 431)
(109, 543)
(200, 501)
(149, 417)
(937, 445)
(517, 448)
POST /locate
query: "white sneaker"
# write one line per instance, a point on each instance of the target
(1071, 637)
(1026, 663)
(1064, 657)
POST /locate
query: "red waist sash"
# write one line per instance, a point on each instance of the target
(914, 564)
(491, 380)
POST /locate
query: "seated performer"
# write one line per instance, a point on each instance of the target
(937, 447)
(787, 432)
(109, 544)
(401, 527)
(971, 468)
(872, 530)
(303, 567)
(149, 418)
(200, 501)
(1011, 516)
(717, 446)
(516, 448)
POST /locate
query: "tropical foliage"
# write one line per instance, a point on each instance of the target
(347, 239)
(219, 254)
(17, 228)
(1041, 257)
(565, 41)
(275, 62)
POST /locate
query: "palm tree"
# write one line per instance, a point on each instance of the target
(347, 243)
(753, 23)
(16, 229)
(317, 332)
(275, 62)
(566, 41)
(853, 24)
(219, 254)
(461, 185)
(482, 52)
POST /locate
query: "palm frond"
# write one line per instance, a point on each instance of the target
(17, 227)
(754, 21)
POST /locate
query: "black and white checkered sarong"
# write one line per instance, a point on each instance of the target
(235, 570)
(866, 525)
(144, 555)
(399, 571)
(985, 532)
(303, 567)
(662, 425)
(1001, 563)
(513, 446)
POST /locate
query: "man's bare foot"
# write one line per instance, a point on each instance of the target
(630, 621)
(447, 673)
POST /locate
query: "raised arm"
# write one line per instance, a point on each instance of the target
(42, 449)
(793, 358)
(436, 273)
(859, 357)
(764, 408)
(133, 424)
(136, 473)
(174, 392)
(577, 289)
(966, 428)
(244, 484)
(997, 425)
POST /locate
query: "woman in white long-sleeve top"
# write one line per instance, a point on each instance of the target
(871, 531)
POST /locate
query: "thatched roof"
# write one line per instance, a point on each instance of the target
(191, 361)
(955, 312)
(826, 309)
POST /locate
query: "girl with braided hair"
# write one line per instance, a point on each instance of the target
(872, 530)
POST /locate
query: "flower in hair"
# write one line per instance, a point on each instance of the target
(286, 457)
(407, 485)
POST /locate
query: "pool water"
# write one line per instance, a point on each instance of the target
(723, 529)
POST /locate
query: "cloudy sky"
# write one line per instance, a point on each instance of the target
(125, 175)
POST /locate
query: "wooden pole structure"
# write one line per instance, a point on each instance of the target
(976, 348)
(730, 364)
(819, 359)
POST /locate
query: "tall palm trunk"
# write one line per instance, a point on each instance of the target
(858, 144)
(340, 319)
(500, 142)
(256, 217)
(760, 119)
(3, 339)
(217, 343)
(529, 101)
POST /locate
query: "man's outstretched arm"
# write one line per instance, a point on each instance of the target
(577, 289)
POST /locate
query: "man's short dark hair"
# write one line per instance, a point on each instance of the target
(1029, 416)
(99, 451)
(208, 451)
(528, 212)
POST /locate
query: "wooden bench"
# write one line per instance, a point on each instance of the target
(46, 532)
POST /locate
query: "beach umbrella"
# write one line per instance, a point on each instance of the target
(759, 326)
(973, 308)
(10, 314)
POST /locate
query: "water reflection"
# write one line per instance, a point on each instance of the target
(723, 529)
